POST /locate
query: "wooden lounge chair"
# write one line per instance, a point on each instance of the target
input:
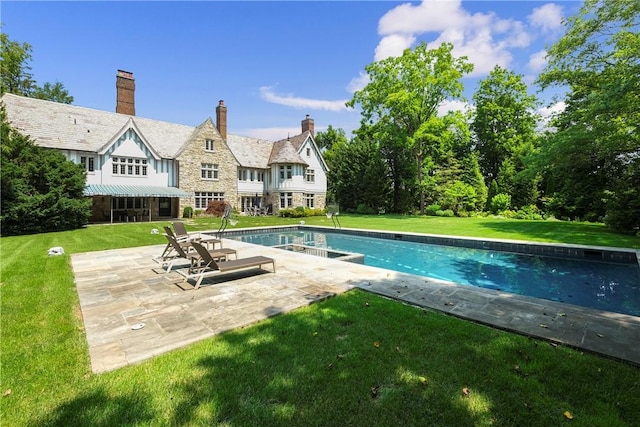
(182, 235)
(187, 252)
(169, 250)
(208, 266)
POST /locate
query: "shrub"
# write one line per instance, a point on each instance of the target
(432, 209)
(447, 213)
(297, 212)
(528, 212)
(187, 212)
(363, 209)
(500, 202)
(216, 208)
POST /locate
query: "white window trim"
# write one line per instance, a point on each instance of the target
(129, 167)
(202, 198)
(209, 171)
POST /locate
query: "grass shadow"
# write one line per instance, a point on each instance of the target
(100, 408)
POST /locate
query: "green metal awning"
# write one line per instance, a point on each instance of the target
(134, 191)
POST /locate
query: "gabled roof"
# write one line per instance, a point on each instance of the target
(69, 127)
(298, 141)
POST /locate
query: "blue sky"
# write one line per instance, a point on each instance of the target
(271, 62)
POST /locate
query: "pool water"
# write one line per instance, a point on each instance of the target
(595, 284)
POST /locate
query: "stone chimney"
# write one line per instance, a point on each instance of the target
(221, 119)
(307, 125)
(125, 93)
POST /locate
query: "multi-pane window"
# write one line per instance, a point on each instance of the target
(204, 197)
(308, 152)
(88, 163)
(209, 145)
(242, 174)
(209, 171)
(310, 175)
(286, 200)
(285, 172)
(129, 166)
(308, 200)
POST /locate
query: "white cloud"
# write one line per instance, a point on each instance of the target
(267, 93)
(452, 105)
(484, 38)
(358, 83)
(393, 45)
(430, 15)
(548, 112)
(547, 17)
(538, 60)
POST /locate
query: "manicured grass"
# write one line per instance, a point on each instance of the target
(356, 359)
(583, 233)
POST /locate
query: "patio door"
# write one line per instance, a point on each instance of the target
(164, 206)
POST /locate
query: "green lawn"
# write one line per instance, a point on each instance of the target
(356, 359)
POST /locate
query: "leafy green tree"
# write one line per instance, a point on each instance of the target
(459, 197)
(358, 175)
(53, 92)
(401, 102)
(15, 72)
(504, 122)
(326, 139)
(472, 176)
(41, 190)
(16, 77)
(591, 157)
(493, 190)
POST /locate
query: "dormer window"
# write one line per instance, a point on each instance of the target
(308, 152)
(209, 145)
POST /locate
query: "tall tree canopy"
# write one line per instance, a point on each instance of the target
(41, 190)
(504, 124)
(593, 156)
(400, 103)
(325, 140)
(16, 77)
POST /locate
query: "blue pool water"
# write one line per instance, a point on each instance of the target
(606, 286)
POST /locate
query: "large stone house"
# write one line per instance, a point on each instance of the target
(144, 169)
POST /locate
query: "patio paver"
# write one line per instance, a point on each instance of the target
(121, 288)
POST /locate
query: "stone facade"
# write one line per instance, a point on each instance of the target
(194, 154)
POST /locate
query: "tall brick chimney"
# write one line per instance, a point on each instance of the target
(125, 93)
(307, 125)
(221, 119)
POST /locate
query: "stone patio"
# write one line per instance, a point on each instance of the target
(119, 289)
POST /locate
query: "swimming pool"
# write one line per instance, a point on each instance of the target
(595, 283)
